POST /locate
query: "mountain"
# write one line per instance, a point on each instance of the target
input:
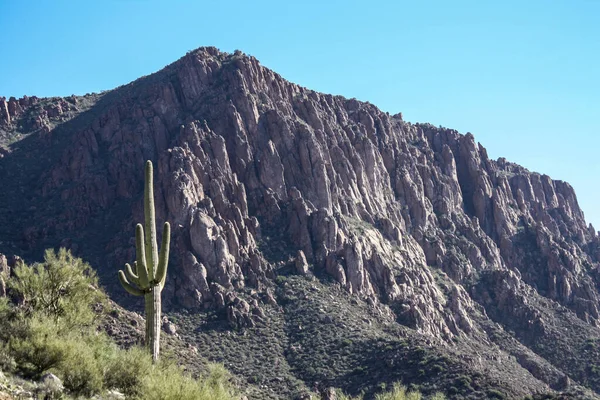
(317, 241)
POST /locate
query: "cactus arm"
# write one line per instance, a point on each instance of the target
(140, 255)
(128, 286)
(142, 269)
(150, 219)
(161, 271)
(130, 275)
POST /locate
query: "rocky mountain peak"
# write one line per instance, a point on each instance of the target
(261, 177)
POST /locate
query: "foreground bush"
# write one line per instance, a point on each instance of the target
(170, 383)
(127, 369)
(63, 287)
(398, 392)
(51, 328)
(35, 346)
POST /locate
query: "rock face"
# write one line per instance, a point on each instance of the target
(257, 174)
(34, 114)
(7, 265)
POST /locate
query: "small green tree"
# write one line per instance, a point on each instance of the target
(63, 287)
(149, 272)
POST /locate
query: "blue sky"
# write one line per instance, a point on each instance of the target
(522, 76)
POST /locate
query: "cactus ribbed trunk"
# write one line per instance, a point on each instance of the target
(153, 321)
(149, 272)
(151, 247)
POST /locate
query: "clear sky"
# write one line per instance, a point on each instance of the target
(522, 75)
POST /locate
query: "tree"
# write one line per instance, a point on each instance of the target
(63, 287)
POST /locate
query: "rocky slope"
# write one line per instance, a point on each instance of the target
(477, 260)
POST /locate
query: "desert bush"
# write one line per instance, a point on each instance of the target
(7, 314)
(63, 287)
(76, 357)
(80, 368)
(127, 369)
(7, 361)
(343, 396)
(398, 392)
(133, 373)
(36, 347)
(5, 307)
(171, 383)
(495, 394)
(52, 328)
(90, 363)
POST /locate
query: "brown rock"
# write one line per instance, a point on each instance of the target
(329, 394)
(168, 326)
(300, 263)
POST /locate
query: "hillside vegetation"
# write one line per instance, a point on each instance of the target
(51, 327)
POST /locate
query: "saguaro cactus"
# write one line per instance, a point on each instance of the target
(147, 277)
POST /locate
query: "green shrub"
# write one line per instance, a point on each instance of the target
(495, 394)
(127, 369)
(340, 395)
(170, 383)
(37, 348)
(80, 370)
(7, 361)
(77, 359)
(399, 392)
(438, 369)
(53, 328)
(7, 314)
(217, 380)
(63, 287)
(5, 307)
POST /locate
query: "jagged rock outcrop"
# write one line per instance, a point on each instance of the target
(257, 174)
(311, 160)
(300, 263)
(7, 265)
(34, 114)
(236, 145)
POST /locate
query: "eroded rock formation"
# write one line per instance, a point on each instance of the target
(257, 174)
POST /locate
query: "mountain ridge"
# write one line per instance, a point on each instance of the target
(262, 178)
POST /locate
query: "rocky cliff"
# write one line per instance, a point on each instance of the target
(262, 178)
